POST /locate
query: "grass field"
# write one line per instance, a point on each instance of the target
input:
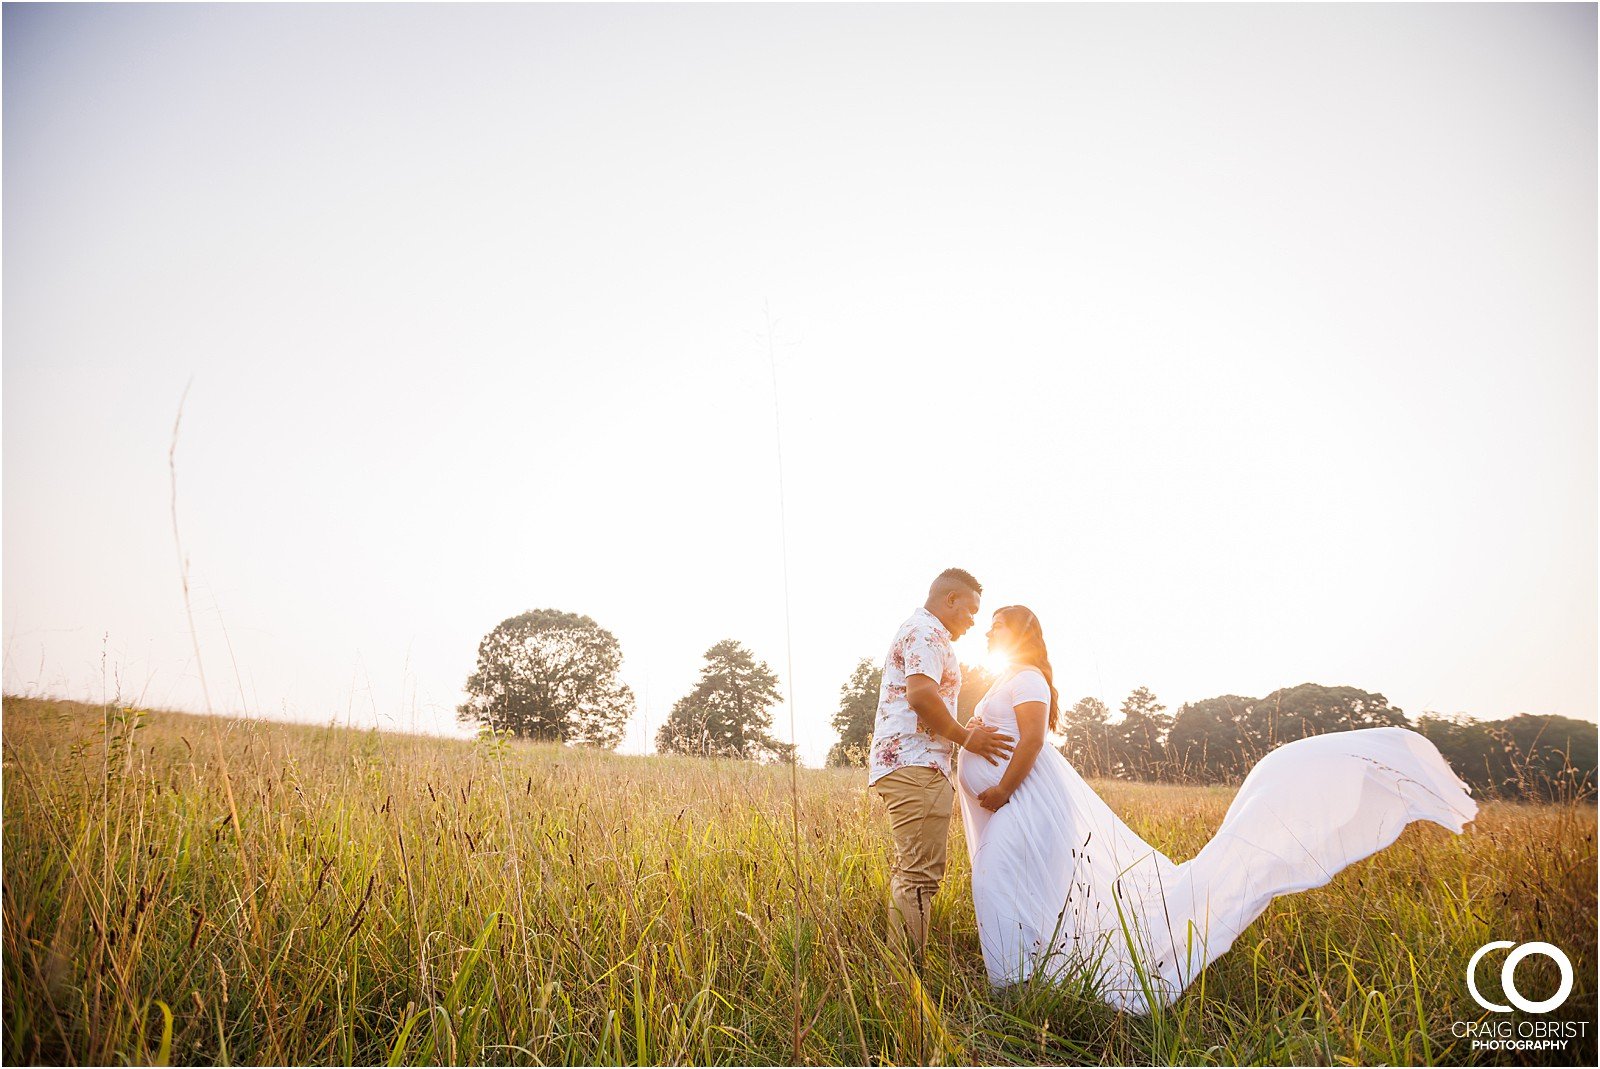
(396, 899)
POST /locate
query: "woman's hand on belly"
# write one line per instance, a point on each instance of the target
(993, 798)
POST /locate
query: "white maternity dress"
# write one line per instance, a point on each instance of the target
(1064, 889)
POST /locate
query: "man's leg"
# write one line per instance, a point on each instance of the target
(919, 801)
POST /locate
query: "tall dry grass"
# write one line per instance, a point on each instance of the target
(393, 899)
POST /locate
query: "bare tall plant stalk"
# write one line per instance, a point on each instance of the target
(788, 639)
(268, 1011)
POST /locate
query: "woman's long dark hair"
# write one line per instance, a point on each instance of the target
(1030, 649)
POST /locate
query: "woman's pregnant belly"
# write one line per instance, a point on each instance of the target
(975, 775)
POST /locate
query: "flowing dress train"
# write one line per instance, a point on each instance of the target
(1064, 888)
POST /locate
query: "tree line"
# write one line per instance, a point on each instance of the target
(553, 676)
(1218, 740)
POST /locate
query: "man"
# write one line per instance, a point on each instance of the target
(913, 739)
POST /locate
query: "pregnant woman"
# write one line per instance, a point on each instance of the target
(1063, 889)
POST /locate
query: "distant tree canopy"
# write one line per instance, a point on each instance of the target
(1547, 758)
(1207, 739)
(729, 711)
(1218, 740)
(1088, 732)
(1138, 741)
(858, 710)
(975, 683)
(552, 676)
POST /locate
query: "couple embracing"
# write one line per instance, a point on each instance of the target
(1063, 891)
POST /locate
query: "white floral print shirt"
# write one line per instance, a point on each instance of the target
(922, 647)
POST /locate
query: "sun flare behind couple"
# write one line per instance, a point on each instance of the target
(1062, 889)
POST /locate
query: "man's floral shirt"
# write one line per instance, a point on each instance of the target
(899, 738)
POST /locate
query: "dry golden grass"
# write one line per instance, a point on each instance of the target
(394, 899)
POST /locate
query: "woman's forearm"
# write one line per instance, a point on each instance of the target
(1021, 764)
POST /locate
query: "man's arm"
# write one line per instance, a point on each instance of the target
(922, 694)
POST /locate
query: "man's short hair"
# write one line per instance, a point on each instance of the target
(962, 576)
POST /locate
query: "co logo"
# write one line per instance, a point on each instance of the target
(1508, 976)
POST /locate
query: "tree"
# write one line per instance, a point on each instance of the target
(552, 676)
(1138, 740)
(858, 711)
(1543, 758)
(729, 712)
(1310, 709)
(1206, 744)
(975, 683)
(1088, 745)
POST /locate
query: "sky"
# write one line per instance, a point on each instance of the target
(1249, 345)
